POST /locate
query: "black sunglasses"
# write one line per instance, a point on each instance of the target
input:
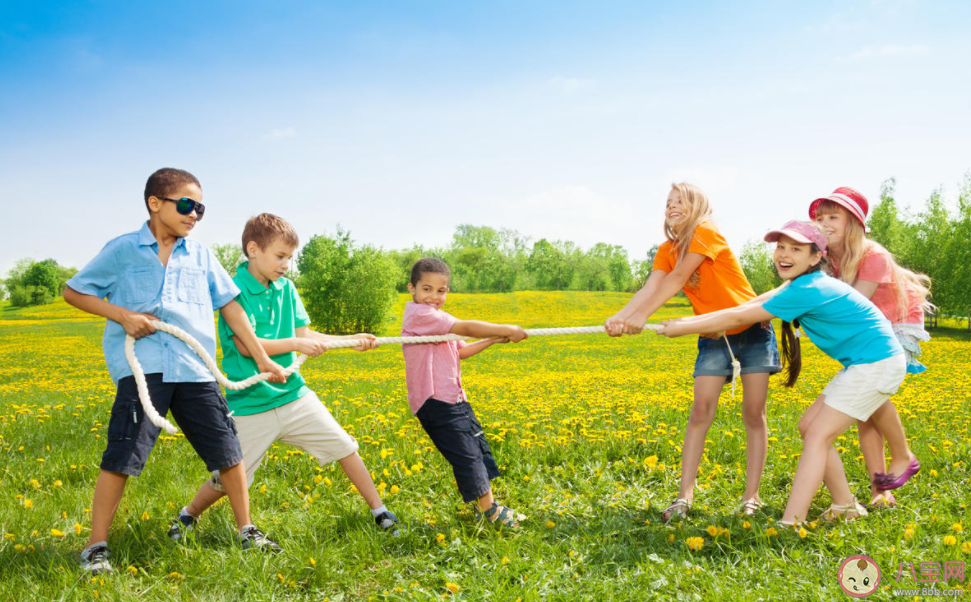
(185, 206)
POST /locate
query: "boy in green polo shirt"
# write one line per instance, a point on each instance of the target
(289, 412)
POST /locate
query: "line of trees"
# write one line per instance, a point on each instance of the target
(32, 282)
(936, 240)
(350, 289)
(487, 260)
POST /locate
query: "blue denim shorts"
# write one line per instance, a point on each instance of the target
(755, 349)
(198, 408)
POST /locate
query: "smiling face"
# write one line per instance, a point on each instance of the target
(833, 224)
(793, 259)
(268, 265)
(674, 211)
(432, 289)
(166, 215)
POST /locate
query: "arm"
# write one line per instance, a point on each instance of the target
(658, 289)
(716, 321)
(482, 330)
(136, 324)
(866, 287)
(366, 338)
(235, 317)
(474, 348)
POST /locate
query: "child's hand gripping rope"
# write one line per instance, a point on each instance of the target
(182, 335)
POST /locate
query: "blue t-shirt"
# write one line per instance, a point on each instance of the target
(838, 319)
(184, 293)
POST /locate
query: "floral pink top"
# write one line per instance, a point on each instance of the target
(431, 369)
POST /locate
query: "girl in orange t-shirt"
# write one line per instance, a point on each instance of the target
(696, 258)
(901, 295)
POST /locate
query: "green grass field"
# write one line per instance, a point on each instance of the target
(586, 428)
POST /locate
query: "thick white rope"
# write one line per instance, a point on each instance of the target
(210, 363)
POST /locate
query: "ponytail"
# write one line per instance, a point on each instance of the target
(791, 352)
(791, 348)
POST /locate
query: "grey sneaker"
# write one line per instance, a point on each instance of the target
(388, 522)
(253, 538)
(182, 527)
(95, 559)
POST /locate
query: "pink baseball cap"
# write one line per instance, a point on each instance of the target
(803, 232)
(848, 198)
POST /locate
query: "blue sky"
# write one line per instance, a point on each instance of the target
(399, 120)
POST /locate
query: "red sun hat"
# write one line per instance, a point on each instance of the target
(803, 232)
(848, 198)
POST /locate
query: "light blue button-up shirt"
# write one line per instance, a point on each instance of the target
(127, 272)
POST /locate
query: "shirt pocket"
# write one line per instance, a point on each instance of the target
(193, 286)
(142, 285)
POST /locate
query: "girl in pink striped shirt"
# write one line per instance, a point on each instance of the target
(435, 393)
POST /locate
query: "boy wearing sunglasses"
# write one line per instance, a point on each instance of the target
(153, 274)
(290, 412)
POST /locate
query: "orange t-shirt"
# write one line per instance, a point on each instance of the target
(722, 283)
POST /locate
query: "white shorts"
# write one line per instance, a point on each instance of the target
(859, 391)
(304, 423)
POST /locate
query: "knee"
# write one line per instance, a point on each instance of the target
(702, 413)
(804, 424)
(753, 417)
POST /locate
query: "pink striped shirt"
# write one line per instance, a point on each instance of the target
(431, 369)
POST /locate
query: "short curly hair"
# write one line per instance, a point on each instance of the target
(167, 180)
(428, 265)
(266, 228)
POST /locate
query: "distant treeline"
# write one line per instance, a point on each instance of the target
(338, 277)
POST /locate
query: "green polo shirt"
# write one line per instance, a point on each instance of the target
(275, 312)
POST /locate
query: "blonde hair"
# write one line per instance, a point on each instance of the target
(856, 247)
(695, 203)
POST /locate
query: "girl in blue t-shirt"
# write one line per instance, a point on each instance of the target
(848, 328)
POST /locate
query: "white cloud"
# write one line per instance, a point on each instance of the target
(889, 50)
(570, 85)
(281, 133)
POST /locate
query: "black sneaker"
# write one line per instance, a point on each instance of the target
(388, 522)
(95, 559)
(182, 527)
(253, 538)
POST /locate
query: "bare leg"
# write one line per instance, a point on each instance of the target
(887, 420)
(107, 495)
(206, 497)
(707, 390)
(819, 458)
(485, 502)
(755, 390)
(353, 466)
(233, 480)
(871, 446)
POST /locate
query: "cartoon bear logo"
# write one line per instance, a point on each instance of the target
(859, 576)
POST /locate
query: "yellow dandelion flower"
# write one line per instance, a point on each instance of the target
(950, 540)
(771, 531)
(550, 524)
(77, 528)
(452, 587)
(57, 533)
(145, 515)
(695, 543)
(28, 503)
(957, 527)
(802, 533)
